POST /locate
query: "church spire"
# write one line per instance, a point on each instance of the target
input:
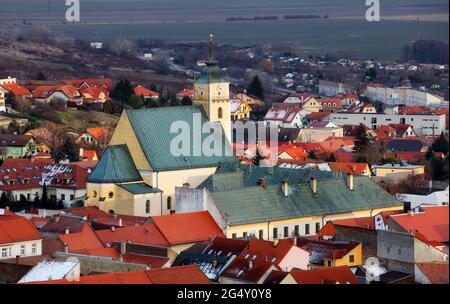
(211, 48)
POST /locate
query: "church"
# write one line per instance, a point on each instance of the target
(138, 172)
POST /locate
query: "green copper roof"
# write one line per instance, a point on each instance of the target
(248, 176)
(152, 128)
(115, 166)
(139, 188)
(257, 204)
(212, 74)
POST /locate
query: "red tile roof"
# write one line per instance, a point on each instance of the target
(437, 273)
(317, 116)
(15, 229)
(360, 222)
(105, 83)
(432, 222)
(93, 214)
(85, 239)
(142, 91)
(261, 255)
(189, 274)
(147, 234)
(328, 275)
(98, 132)
(351, 168)
(184, 228)
(16, 89)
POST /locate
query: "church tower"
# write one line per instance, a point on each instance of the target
(212, 92)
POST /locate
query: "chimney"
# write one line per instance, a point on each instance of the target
(262, 183)
(113, 228)
(186, 185)
(56, 218)
(250, 264)
(67, 231)
(285, 187)
(66, 248)
(7, 208)
(295, 241)
(313, 184)
(120, 222)
(350, 181)
(123, 248)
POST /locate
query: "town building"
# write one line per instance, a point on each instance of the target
(16, 146)
(423, 124)
(331, 88)
(401, 96)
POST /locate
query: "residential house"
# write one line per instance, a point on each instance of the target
(259, 258)
(327, 275)
(240, 110)
(328, 253)
(397, 171)
(406, 145)
(16, 146)
(319, 131)
(331, 104)
(174, 275)
(331, 88)
(64, 93)
(99, 135)
(53, 270)
(18, 237)
(145, 93)
(285, 115)
(185, 93)
(94, 95)
(20, 93)
(431, 273)
(101, 83)
(351, 168)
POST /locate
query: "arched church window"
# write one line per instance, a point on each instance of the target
(220, 113)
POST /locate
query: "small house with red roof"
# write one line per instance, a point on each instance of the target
(101, 83)
(65, 93)
(351, 168)
(185, 93)
(145, 93)
(260, 258)
(94, 95)
(18, 237)
(99, 135)
(286, 115)
(327, 275)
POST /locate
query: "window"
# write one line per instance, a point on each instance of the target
(351, 258)
(275, 233)
(234, 235)
(317, 227)
(110, 194)
(244, 234)
(147, 206)
(261, 234)
(220, 113)
(94, 194)
(28, 196)
(329, 263)
(307, 229)
(22, 249)
(297, 230)
(72, 197)
(4, 252)
(34, 248)
(399, 251)
(286, 231)
(63, 197)
(169, 203)
(388, 249)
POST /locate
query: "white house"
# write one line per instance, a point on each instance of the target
(18, 237)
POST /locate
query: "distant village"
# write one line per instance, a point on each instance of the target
(356, 193)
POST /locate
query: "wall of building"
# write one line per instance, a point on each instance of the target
(368, 238)
(15, 249)
(423, 125)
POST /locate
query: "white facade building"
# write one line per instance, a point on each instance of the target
(401, 95)
(423, 124)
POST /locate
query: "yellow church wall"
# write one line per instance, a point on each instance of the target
(168, 180)
(124, 134)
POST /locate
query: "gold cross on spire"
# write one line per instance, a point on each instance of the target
(211, 47)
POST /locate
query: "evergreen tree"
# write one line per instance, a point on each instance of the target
(255, 87)
(186, 101)
(108, 107)
(362, 140)
(440, 144)
(136, 101)
(44, 199)
(122, 91)
(40, 76)
(69, 149)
